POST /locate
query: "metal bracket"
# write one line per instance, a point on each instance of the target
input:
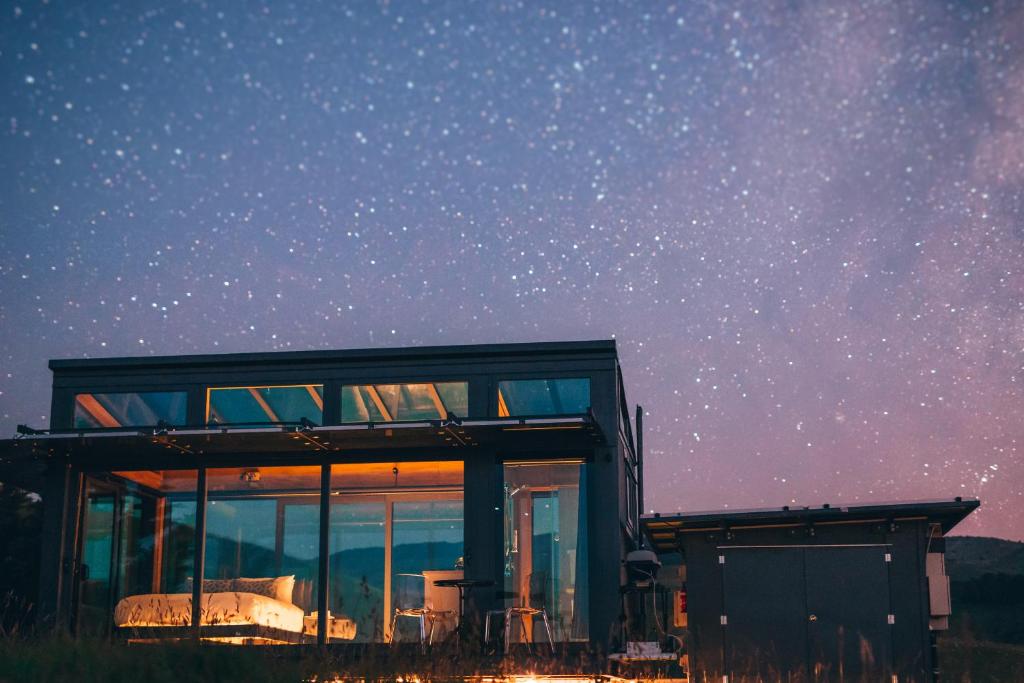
(724, 620)
(892, 619)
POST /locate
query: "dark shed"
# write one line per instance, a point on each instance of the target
(827, 593)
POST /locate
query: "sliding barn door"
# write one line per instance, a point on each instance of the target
(806, 613)
(849, 636)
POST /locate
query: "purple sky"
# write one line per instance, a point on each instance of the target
(804, 223)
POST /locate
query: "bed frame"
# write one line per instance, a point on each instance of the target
(268, 634)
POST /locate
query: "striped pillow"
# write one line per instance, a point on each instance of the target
(280, 588)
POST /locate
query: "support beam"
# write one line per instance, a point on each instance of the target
(324, 573)
(317, 398)
(502, 406)
(199, 560)
(379, 403)
(439, 406)
(271, 415)
(96, 411)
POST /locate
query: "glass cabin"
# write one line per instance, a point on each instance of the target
(321, 496)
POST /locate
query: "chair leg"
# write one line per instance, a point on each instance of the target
(526, 633)
(433, 623)
(394, 625)
(508, 630)
(487, 628)
(547, 627)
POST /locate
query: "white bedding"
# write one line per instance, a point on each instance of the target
(234, 609)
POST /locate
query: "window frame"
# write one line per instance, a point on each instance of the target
(210, 388)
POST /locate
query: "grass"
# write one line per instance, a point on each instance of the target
(969, 661)
(83, 660)
(88, 661)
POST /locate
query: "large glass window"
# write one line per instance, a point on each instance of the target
(265, 404)
(546, 545)
(395, 529)
(404, 402)
(137, 550)
(130, 409)
(262, 545)
(543, 397)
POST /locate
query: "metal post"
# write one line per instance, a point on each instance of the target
(640, 467)
(322, 622)
(198, 562)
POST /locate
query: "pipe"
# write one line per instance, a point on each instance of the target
(640, 468)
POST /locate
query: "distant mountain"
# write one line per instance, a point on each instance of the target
(969, 557)
(987, 587)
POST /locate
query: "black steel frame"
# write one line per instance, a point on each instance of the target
(612, 524)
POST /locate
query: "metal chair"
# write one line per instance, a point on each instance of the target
(409, 601)
(533, 604)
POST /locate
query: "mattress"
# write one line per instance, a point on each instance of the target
(218, 609)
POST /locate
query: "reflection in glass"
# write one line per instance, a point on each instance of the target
(262, 405)
(129, 409)
(357, 539)
(403, 402)
(426, 545)
(545, 543)
(137, 550)
(389, 519)
(543, 397)
(262, 543)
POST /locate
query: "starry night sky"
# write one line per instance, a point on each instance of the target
(803, 222)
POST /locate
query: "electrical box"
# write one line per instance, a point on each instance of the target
(938, 591)
(679, 617)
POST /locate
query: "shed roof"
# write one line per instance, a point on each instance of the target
(662, 530)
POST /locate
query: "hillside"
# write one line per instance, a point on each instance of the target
(987, 585)
(969, 557)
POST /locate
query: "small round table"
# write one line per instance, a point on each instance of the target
(464, 586)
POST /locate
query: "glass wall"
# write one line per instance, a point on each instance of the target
(395, 529)
(546, 544)
(137, 550)
(265, 404)
(262, 545)
(129, 409)
(404, 402)
(522, 397)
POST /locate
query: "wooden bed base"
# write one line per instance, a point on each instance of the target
(222, 632)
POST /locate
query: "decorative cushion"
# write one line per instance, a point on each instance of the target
(212, 585)
(279, 588)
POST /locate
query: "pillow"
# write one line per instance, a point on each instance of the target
(212, 585)
(280, 588)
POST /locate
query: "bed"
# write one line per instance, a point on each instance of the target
(233, 610)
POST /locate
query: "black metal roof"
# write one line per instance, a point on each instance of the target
(663, 529)
(23, 459)
(561, 348)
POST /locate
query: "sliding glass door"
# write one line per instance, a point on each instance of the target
(137, 540)
(358, 538)
(395, 528)
(262, 548)
(95, 565)
(546, 544)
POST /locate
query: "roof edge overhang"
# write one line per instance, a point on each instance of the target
(133, 448)
(605, 347)
(663, 530)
